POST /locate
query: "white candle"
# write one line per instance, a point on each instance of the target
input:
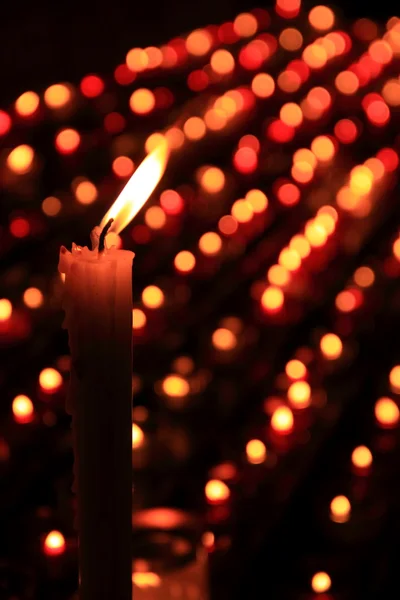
(98, 316)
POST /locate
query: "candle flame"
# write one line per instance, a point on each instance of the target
(138, 189)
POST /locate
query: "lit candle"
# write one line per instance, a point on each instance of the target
(98, 307)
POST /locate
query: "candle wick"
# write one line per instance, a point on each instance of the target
(103, 234)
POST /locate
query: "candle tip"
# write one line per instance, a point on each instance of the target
(103, 234)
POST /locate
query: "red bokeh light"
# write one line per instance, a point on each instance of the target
(389, 158)
(346, 131)
(198, 80)
(92, 86)
(141, 234)
(20, 227)
(287, 193)
(5, 122)
(280, 132)
(123, 75)
(227, 34)
(171, 202)
(299, 66)
(245, 160)
(114, 123)
(163, 97)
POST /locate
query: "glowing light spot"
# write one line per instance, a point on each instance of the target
(249, 141)
(50, 380)
(245, 160)
(139, 319)
(280, 132)
(146, 579)
(67, 141)
(295, 369)
(215, 119)
(301, 245)
(20, 227)
(86, 192)
(5, 309)
(365, 30)
(282, 420)
(272, 299)
(319, 99)
(210, 243)
(361, 180)
(20, 160)
(315, 56)
(92, 86)
(142, 101)
(57, 96)
(175, 138)
(22, 409)
(194, 128)
(216, 491)
(320, 582)
(302, 172)
(346, 199)
(389, 158)
(278, 275)
(316, 234)
(288, 194)
(387, 413)
(263, 85)
(290, 259)
(152, 297)
(137, 436)
(396, 249)
(245, 25)
(361, 457)
(184, 261)
(154, 140)
(394, 379)
(291, 114)
(288, 9)
(364, 277)
(257, 200)
(224, 339)
(54, 543)
(321, 18)
(51, 206)
(346, 131)
(256, 452)
(33, 298)
(391, 92)
(323, 148)
(175, 386)
(381, 52)
(378, 113)
(171, 202)
(155, 217)
(347, 83)
(212, 180)
(227, 225)
(154, 57)
(123, 75)
(346, 301)
(222, 62)
(5, 123)
(291, 39)
(123, 166)
(242, 211)
(299, 394)
(331, 346)
(199, 42)
(137, 60)
(303, 155)
(27, 104)
(340, 509)
(288, 81)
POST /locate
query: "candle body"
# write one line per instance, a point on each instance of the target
(98, 316)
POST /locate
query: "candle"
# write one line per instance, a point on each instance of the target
(98, 307)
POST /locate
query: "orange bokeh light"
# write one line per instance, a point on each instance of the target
(340, 509)
(50, 380)
(57, 96)
(364, 277)
(245, 25)
(142, 101)
(54, 543)
(242, 211)
(323, 148)
(387, 413)
(394, 379)
(282, 420)
(216, 491)
(299, 394)
(301, 245)
(290, 259)
(315, 56)
(272, 299)
(331, 346)
(5, 309)
(194, 128)
(291, 114)
(256, 452)
(257, 200)
(210, 243)
(295, 369)
(20, 160)
(321, 18)
(33, 298)
(123, 166)
(155, 217)
(51, 206)
(212, 180)
(278, 275)
(86, 192)
(67, 141)
(139, 318)
(184, 261)
(361, 457)
(175, 386)
(222, 62)
(321, 582)
(199, 42)
(224, 339)
(22, 408)
(227, 225)
(291, 39)
(288, 194)
(346, 301)
(27, 104)
(137, 437)
(152, 297)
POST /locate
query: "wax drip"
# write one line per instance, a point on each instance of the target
(103, 234)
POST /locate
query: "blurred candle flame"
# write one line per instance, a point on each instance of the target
(138, 189)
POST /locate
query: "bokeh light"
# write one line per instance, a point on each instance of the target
(361, 457)
(216, 491)
(340, 509)
(142, 101)
(20, 160)
(282, 420)
(320, 582)
(5, 309)
(33, 298)
(54, 543)
(331, 346)
(50, 380)
(27, 104)
(224, 339)
(22, 408)
(256, 452)
(387, 413)
(152, 297)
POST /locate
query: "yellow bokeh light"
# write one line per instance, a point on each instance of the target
(256, 452)
(57, 96)
(316, 234)
(278, 275)
(51, 206)
(321, 582)
(361, 457)
(394, 379)
(299, 394)
(323, 148)
(331, 346)
(5, 309)
(396, 249)
(340, 509)
(387, 412)
(137, 436)
(198, 42)
(291, 39)
(304, 155)
(145, 580)
(27, 104)
(315, 56)
(139, 318)
(326, 221)
(153, 141)
(301, 245)
(20, 160)
(212, 180)
(302, 172)
(215, 119)
(290, 259)
(137, 59)
(175, 386)
(257, 200)
(210, 243)
(245, 25)
(263, 85)
(33, 298)
(194, 128)
(346, 199)
(54, 543)
(291, 114)
(50, 380)
(282, 420)
(217, 491)
(361, 180)
(376, 167)
(364, 277)
(295, 369)
(184, 261)
(152, 296)
(222, 62)
(86, 192)
(22, 409)
(321, 18)
(142, 101)
(242, 211)
(224, 339)
(155, 217)
(272, 299)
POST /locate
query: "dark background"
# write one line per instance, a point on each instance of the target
(45, 42)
